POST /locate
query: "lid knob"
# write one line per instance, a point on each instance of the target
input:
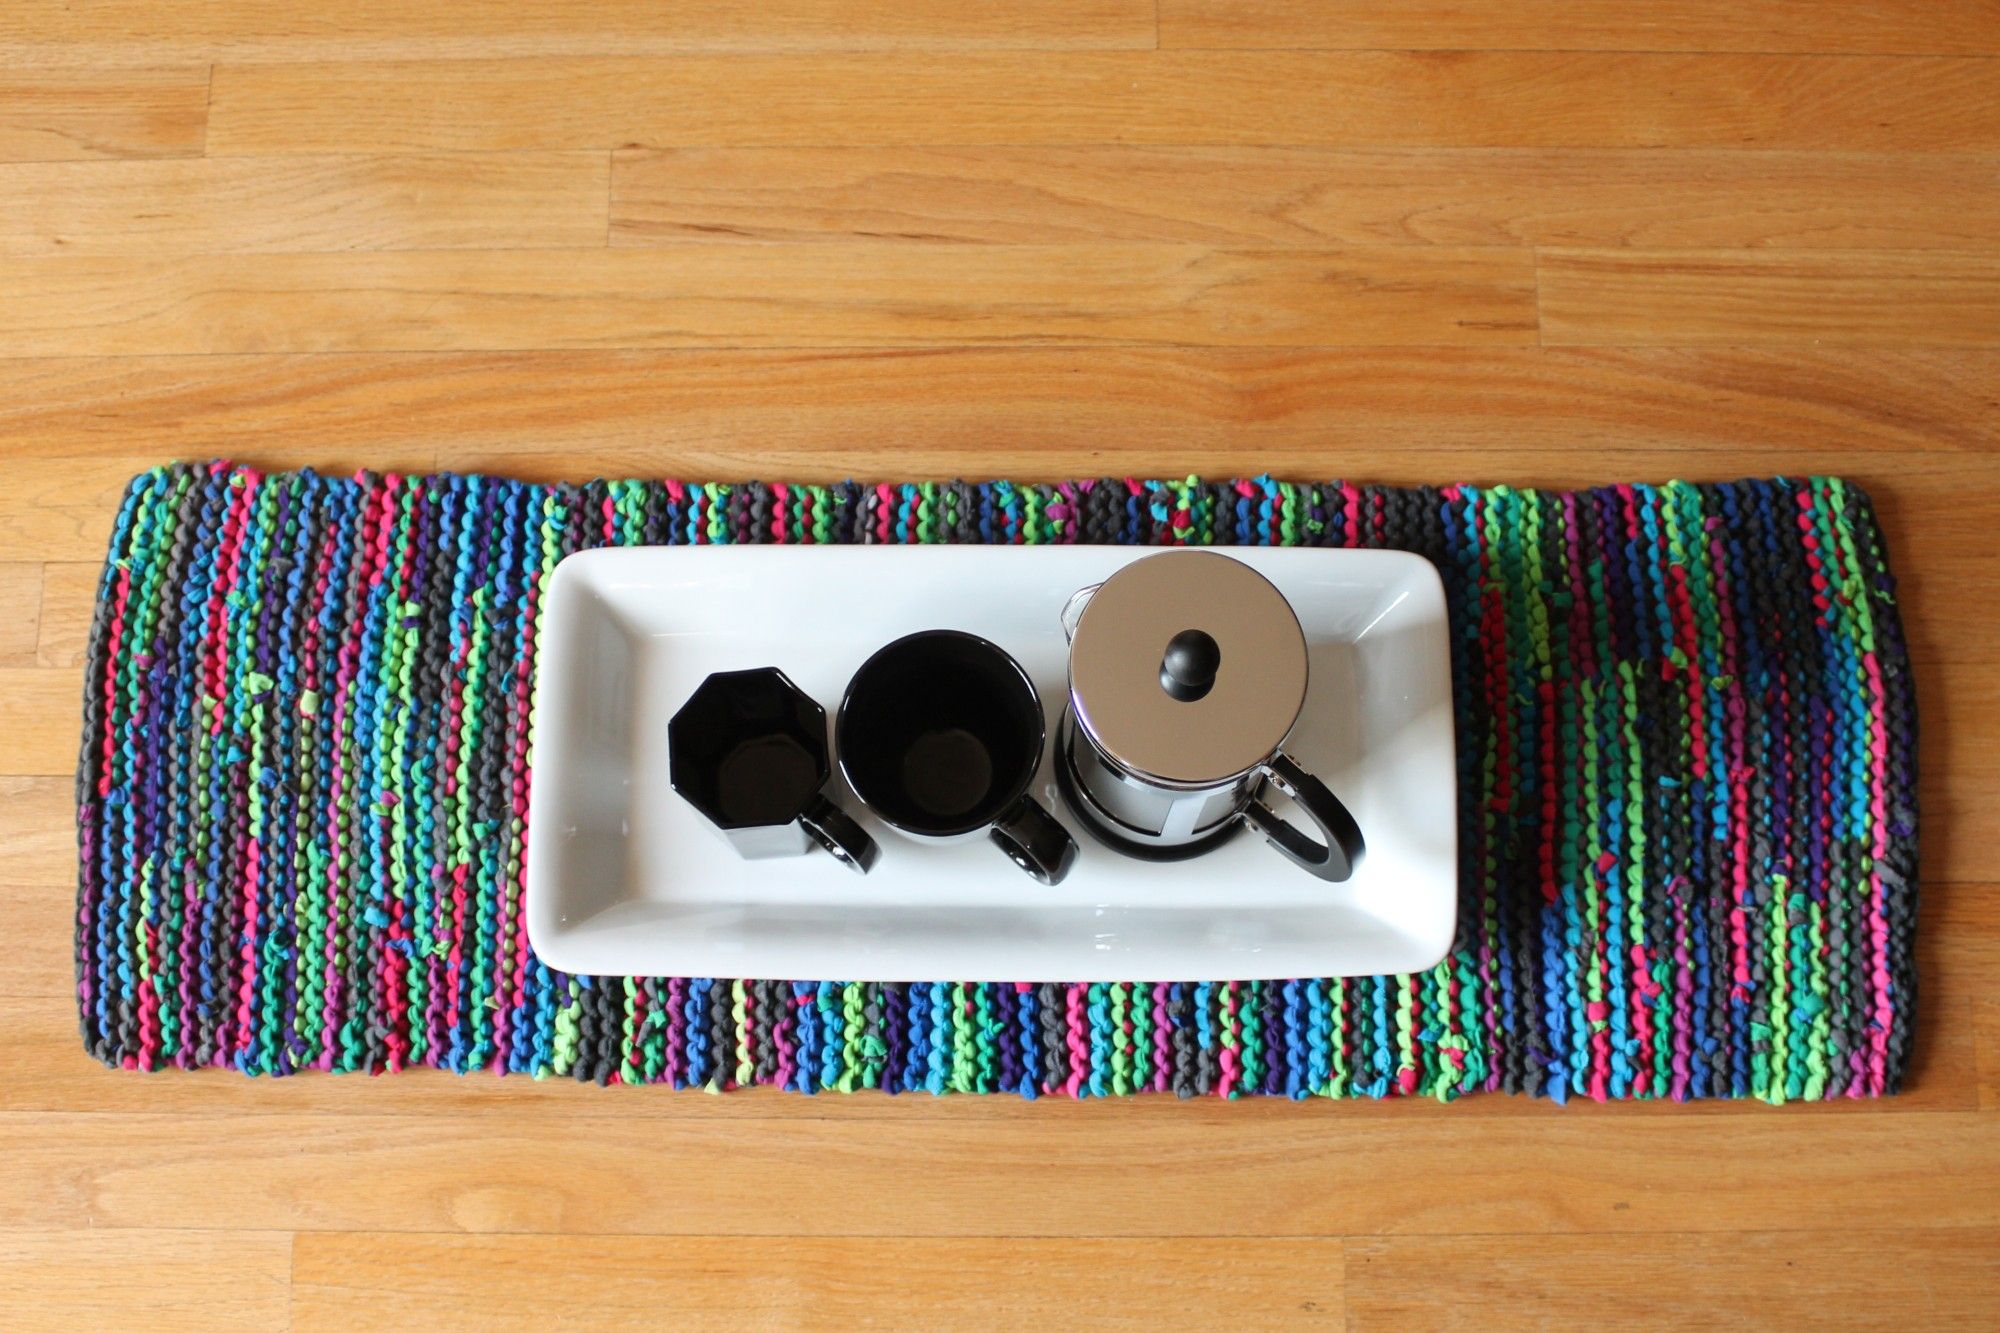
(1188, 670)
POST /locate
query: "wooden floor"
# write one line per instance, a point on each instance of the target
(1536, 241)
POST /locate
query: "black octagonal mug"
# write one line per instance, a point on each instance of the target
(748, 749)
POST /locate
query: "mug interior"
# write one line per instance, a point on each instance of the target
(940, 731)
(748, 749)
(766, 779)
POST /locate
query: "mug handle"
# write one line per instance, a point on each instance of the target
(1339, 847)
(846, 841)
(1034, 841)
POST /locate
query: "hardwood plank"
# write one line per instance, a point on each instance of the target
(1986, 1018)
(117, 32)
(53, 115)
(1310, 197)
(196, 1280)
(69, 598)
(1547, 1174)
(1970, 916)
(1452, 413)
(62, 531)
(1965, 27)
(38, 922)
(1625, 297)
(37, 909)
(206, 205)
(1334, 99)
(20, 612)
(1846, 1278)
(757, 295)
(1953, 975)
(38, 830)
(1940, 559)
(340, 1281)
(41, 716)
(1958, 763)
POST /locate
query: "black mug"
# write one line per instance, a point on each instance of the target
(940, 734)
(748, 750)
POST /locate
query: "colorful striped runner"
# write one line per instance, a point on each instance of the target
(1687, 824)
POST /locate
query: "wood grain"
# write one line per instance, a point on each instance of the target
(1958, 710)
(38, 921)
(52, 115)
(1967, 27)
(752, 295)
(38, 830)
(1333, 99)
(1955, 975)
(1974, 916)
(589, 1175)
(20, 612)
(1850, 1277)
(522, 1282)
(120, 32)
(1986, 1018)
(76, 531)
(41, 716)
(69, 597)
(1456, 413)
(196, 1280)
(1307, 197)
(1623, 297)
(206, 205)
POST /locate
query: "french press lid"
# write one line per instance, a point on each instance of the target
(1188, 668)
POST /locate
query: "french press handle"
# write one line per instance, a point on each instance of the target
(1339, 848)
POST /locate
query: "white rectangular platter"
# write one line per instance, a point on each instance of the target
(625, 878)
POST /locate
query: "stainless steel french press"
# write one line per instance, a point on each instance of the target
(1187, 672)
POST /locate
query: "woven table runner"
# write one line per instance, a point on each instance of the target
(1687, 828)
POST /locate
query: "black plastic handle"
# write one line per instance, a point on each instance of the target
(846, 841)
(1339, 848)
(1034, 841)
